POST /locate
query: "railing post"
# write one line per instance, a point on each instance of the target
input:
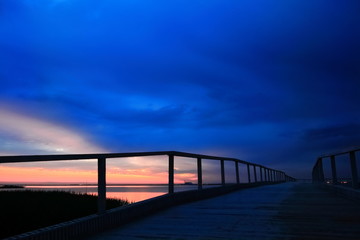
(237, 172)
(264, 174)
(333, 169)
(279, 176)
(255, 175)
(261, 174)
(321, 170)
(248, 171)
(265, 177)
(270, 175)
(101, 185)
(199, 171)
(171, 173)
(279, 173)
(274, 176)
(354, 170)
(222, 163)
(315, 177)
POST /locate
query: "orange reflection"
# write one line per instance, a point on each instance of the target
(132, 196)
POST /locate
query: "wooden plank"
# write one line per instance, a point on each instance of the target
(281, 211)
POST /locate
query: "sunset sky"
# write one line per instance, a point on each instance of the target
(271, 82)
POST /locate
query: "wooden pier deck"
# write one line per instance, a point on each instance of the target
(282, 211)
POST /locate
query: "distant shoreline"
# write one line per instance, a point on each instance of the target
(11, 186)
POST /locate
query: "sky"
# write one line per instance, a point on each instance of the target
(271, 82)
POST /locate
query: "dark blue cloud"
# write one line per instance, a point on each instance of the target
(342, 135)
(241, 78)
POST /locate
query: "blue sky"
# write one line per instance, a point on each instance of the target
(271, 82)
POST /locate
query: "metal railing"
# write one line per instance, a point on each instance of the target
(318, 169)
(261, 174)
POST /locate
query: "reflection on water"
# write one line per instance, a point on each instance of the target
(132, 193)
(132, 196)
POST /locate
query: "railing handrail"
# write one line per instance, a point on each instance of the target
(73, 157)
(339, 153)
(329, 155)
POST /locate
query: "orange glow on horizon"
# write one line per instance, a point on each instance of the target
(113, 175)
(36, 174)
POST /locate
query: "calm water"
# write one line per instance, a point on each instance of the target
(132, 193)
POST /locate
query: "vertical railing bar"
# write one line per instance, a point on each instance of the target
(171, 174)
(101, 185)
(321, 170)
(237, 172)
(317, 172)
(354, 170)
(222, 163)
(268, 175)
(275, 176)
(261, 174)
(273, 173)
(315, 175)
(265, 175)
(333, 169)
(255, 175)
(199, 170)
(248, 171)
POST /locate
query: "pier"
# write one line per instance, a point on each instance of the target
(281, 211)
(269, 205)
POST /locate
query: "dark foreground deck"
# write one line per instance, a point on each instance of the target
(283, 211)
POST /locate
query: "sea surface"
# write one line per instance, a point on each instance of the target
(132, 193)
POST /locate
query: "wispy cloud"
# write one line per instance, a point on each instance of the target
(22, 134)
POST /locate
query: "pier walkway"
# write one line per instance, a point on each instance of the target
(282, 211)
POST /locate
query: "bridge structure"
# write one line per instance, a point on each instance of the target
(270, 205)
